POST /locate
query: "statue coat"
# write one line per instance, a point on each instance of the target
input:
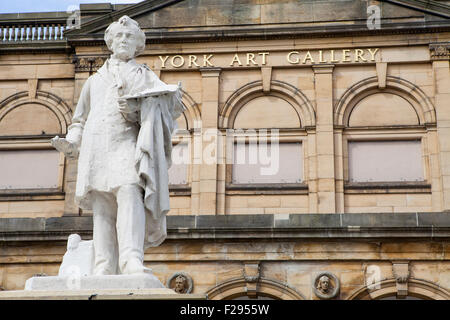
(117, 149)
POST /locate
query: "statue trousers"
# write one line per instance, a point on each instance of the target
(119, 228)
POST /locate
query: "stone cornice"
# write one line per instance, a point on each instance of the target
(271, 33)
(320, 227)
(35, 47)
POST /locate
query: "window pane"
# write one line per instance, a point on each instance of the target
(29, 169)
(178, 172)
(282, 163)
(385, 161)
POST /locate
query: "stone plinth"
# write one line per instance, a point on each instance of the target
(103, 282)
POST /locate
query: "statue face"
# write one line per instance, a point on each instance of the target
(124, 43)
(324, 284)
(179, 285)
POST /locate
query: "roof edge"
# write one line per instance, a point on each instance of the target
(131, 11)
(429, 6)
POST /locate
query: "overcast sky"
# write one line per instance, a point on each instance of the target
(15, 6)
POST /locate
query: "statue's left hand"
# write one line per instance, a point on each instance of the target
(128, 105)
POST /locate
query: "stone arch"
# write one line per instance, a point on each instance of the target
(387, 288)
(239, 287)
(53, 103)
(191, 116)
(394, 85)
(301, 104)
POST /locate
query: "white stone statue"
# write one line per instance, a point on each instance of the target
(121, 134)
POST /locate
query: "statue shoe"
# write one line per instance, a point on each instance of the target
(135, 266)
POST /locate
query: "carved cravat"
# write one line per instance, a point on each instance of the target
(116, 68)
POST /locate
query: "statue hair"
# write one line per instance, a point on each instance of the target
(181, 277)
(126, 21)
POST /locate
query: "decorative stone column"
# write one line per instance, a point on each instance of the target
(326, 189)
(339, 169)
(439, 55)
(312, 169)
(210, 135)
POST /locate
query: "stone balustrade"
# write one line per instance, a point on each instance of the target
(32, 32)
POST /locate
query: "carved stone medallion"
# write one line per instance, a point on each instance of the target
(326, 285)
(180, 282)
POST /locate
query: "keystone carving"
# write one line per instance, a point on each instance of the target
(401, 275)
(251, 272)
(251, 276)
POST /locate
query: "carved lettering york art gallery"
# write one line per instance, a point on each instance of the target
(249, 59)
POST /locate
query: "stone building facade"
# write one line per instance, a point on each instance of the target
(353, 95)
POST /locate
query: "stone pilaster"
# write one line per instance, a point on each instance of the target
(439, 54)
(312, 170)
(210, 135)
(339, 169)
(326, 189)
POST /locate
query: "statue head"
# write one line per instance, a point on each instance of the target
(125, 39)
(73, 241)
(180, 284)
(323, 284)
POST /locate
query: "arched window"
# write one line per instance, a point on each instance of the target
(388, 140)
(387, 290)
(30, 168)
(267, 131)
(262, 289)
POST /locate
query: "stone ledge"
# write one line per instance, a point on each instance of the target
(293, 220)
(140, 294)
(350, 225)
(103, 282)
